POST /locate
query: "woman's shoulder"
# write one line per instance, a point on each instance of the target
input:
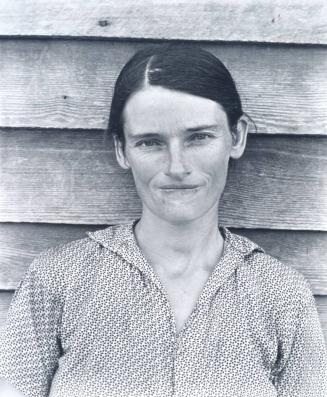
(77, 250)
(63, 255)
(60, 265)
(279, 283)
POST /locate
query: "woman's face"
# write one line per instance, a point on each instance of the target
(178, 147)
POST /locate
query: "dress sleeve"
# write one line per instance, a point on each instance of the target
(303, 357)
(30, 343)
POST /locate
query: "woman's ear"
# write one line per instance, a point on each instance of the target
(239, 136)
(120, 153)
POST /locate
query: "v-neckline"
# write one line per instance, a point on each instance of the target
(224, 266)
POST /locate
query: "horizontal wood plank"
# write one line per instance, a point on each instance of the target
(321, 301)
(73, 177)
(5, 299)
(69, 84)
(20, 243)
(296, 21)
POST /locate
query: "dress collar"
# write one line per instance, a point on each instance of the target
(121, 240)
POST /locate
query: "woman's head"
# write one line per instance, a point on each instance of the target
(177, 119)
(188, 69)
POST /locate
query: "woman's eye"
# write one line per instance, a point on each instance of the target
(200, 137)
(148, 143)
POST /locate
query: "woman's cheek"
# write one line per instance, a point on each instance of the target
(144, 168)
(215, 162)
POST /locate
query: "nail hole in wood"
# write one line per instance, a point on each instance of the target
(104, 22)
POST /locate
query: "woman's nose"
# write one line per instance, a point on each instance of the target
(177, 166)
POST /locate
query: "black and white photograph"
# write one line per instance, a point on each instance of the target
(163, 198)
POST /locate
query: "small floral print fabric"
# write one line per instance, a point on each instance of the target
(91, 319)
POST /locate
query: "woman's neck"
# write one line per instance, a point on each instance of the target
(183, 248)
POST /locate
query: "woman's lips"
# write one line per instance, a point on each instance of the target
(178, 187)
(180, 190)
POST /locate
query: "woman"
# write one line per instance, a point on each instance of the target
(170, 304)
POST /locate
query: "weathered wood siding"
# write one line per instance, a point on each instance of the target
(297, 21)
(280, 182)
(68, 83)
(58, 174)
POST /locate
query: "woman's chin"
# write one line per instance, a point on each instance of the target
(178, 210)
(181, 214)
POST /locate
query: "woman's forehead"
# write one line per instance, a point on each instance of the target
(157, 108)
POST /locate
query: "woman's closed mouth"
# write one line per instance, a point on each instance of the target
(177, 187)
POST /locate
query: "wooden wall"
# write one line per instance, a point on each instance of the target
(58, 175)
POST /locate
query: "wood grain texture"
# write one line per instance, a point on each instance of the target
(5, 299)
(73, 177)
(296, 21)
(68, 84)
(321, 301)
(20, 243)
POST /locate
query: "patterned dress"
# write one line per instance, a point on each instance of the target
(91, 319)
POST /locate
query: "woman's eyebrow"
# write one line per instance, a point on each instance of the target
(158, 135)
(202, 127)
(145, 135)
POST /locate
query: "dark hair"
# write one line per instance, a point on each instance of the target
(186, 68)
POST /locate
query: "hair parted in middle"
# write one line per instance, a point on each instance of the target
(186, 68)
